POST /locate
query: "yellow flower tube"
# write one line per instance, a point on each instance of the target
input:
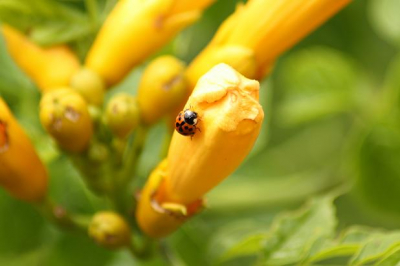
(258, 32)
(49, 68)
(230, 119)
(135, 29)
(64, 114)
(21, 171)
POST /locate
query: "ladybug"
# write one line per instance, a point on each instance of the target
(186, 122)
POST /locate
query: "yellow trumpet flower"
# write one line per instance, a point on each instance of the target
(64, 114)
(21, 171)
(258, 32)
(49, 68)
(229, 121)
(135, 29)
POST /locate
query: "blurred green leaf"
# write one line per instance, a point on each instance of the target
(392, 259)
(48, 22)
(291, 236)
(346, 245)
(379, 169)
(384, 16)
(378, 246)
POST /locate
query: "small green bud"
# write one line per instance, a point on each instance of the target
(122, 114)
(110, 230)
(162, 88)
(90, 85)
(98, 152)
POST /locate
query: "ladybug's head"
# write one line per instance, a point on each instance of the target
(190, 117)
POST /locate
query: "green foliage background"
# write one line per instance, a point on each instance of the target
(331, 142)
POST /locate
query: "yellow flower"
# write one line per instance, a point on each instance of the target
(230, 119)
(258, 32)
(122, 114)
(162, 87)
(21, 171)
(135, 29)
(49, 68)
(64, 114)
(110, 230)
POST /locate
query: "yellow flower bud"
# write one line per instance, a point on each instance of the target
(21, 171)
(229, 119)
(122, 114)
(49, 68)
(162, 88)
(110, 230)
(265, 29)
(149, 24)
(64, 114)
(90, 85)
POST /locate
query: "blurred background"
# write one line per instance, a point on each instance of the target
(333, 126)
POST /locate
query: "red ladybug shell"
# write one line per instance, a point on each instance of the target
(182, 127)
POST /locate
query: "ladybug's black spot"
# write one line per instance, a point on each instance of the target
(191, 129)
(186, 127)
(180, 129)
(180, 118)
(177, 124)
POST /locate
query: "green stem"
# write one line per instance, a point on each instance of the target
(133, 154)
(61, 218)
(124, 176)
(91, 6)
(144, 250)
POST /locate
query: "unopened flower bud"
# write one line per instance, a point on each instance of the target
(90, 85)
(110, 230)
(49, 67)
(135, 29)
(122, 114)
(64, 114)
(228, 120)
(163, 87)
(22, 173)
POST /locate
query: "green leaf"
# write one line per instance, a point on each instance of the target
(384, 17)
(392, 259)
(378, 183)
(48, 22)
(291, 236)
(380, 245)
(346, 245)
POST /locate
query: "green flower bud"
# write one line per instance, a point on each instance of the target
(122, 114)
(163, 87)
(110, 230)
(64, 114)
(90, 85)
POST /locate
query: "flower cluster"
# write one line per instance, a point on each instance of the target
(221, 86)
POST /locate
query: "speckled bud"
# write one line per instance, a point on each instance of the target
(122, 114)
(90, 85)
(64, 114)
(163, 86)
(110, 230)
